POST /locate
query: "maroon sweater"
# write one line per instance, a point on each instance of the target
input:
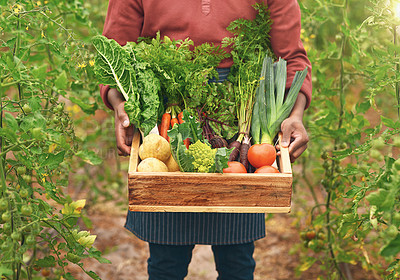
(206, 21)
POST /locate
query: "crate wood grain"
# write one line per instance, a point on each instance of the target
(209, 192)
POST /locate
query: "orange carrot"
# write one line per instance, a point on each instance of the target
(187, 140)
(174, 121)
(165, 123)
(180, 117)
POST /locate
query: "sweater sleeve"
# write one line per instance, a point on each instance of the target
(123, 23)
(286, 43)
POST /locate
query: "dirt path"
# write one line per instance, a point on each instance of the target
(128, 254)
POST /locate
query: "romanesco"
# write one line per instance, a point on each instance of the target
(204, 156)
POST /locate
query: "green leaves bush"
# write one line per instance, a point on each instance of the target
(42, 68)
(354, 125)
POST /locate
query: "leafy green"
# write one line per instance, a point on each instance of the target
(120, 67)
(183, 69)
(200, 157)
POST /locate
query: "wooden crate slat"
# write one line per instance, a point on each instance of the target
(212, 209)
(213, 190)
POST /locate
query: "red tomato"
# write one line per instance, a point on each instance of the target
(261, 154)
(267, 169)
(235, 167)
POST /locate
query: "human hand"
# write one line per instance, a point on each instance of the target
(123, 129)
(294, 134)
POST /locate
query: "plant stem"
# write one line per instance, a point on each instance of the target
(328, 227)
(397, 88)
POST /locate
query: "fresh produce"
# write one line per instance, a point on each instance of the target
(183, 70)
(271, 107)
(235, 167)
(152, 165)
(199, 157)
(249, 46)
(187, 140)
(165, 124)
(120, 67)
(154, 146)
(172, 165)
(261, 155)
(266, 169)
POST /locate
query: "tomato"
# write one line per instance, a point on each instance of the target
(23, 193)
(45, 272)
(3, 204)
(234, 167)
(27, 109)
(261, 154)
(16, 236)
(36, 267)
(26, 210)
(6, 217)
(321, 236)
(310, 234)
(30, 240)
(7, 228)
(267, 169)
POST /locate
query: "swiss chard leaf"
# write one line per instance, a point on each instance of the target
(119, 67)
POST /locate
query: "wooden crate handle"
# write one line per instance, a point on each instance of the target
(134, 157)
(284, 159)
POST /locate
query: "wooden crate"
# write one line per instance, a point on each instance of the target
(209, 192)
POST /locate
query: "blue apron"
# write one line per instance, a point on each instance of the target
(197, 228)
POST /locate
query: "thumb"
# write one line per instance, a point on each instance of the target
(123, 117)
(286, 134)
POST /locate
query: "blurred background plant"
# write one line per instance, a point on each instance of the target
(58, 149)
(52, 136)
(351, 167)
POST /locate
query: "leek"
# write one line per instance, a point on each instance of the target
(271, 107)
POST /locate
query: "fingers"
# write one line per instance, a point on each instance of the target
(122, 115)
(287, 130)
(294, 130)
(123, 131)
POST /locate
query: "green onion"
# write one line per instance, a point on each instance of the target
(271, 107)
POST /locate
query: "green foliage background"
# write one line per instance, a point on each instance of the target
(55, 133)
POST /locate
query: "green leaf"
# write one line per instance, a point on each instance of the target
(390, 123)
(307, 264)
(89, 109)
(40, 72)
(89, 157)
(9, 134)
(120, 68)
(62, 81)
(222, 158)
(52, 161)
(392, 248)
(5, 271)
(48, 261)
(11, 122)
(382, 199)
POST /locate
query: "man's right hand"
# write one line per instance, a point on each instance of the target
(123, 129)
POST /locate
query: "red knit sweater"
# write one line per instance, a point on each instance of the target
(206, 21)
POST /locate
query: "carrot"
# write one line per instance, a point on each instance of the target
(165, 123)
(174, 121)
(235, 153)
(187, 140)
(244, 149)
(180, 117)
